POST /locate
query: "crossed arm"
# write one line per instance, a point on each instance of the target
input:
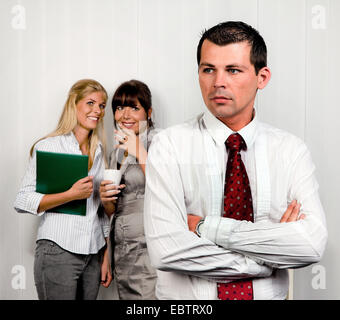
(232, 249)
(291, 214)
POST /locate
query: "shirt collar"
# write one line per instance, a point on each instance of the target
(74, 140)
(220, 132)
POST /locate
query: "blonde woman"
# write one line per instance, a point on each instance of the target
(71, 255)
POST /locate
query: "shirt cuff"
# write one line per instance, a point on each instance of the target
(29, 204)
(105, 222)
(217, 229)
(106, 230)
(209, 227)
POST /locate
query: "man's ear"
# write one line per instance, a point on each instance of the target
(263, 77)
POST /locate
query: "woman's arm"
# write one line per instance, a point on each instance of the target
(108, 195)
(106, 275)
(82, 189)
(30, 201)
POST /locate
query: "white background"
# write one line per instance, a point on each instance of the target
(47, 45)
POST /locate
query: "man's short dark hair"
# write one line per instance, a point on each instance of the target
(233, 32)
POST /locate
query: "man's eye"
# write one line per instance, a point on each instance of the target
(234, 71)
(102, 106)
(90, 103)
(208, 70)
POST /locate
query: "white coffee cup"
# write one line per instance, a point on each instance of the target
(113, 175)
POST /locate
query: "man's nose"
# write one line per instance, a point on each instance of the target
(220, 80)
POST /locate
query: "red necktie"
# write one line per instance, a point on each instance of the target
(237, 205)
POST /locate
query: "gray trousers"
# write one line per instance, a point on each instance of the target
(63, 275)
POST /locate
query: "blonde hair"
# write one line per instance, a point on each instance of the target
(68, 118)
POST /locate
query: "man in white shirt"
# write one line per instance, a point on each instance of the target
(190, 242)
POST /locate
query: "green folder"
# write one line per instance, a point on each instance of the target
(57, 172)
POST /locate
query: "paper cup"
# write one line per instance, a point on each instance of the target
(113, 175)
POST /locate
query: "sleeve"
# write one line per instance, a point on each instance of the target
(104, 221)
(171, 246)
(27, 199)
(279, 245)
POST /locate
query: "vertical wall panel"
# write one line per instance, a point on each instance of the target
(193, 18)
(12, 54)
(322, 137)
(282, 102)
(149, 55)
(169, 61)
(220, 11)
(124, 30)
(22, 106)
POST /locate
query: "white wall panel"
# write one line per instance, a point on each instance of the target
(155, 41)
(17, 95)
(220, 11)
(322, 137)
(282, 102)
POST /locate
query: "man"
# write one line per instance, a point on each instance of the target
(246, 190)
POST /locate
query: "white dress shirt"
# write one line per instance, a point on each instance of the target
(75, 233)
(185, 174)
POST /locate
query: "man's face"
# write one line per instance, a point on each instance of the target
(229, 83)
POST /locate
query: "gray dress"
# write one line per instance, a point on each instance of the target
(134, 275)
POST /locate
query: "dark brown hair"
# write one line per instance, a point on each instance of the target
(129, 92)
(233, 32)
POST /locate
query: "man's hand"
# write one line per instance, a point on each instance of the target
(292, 213)
(192, 221)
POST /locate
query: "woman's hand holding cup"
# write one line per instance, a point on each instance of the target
(110, 186)
(109, 191)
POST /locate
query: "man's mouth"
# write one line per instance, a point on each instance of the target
(220, 99)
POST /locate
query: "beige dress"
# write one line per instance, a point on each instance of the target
(133, 273)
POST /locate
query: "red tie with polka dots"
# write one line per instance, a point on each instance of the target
(237, 205)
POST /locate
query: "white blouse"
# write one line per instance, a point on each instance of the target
(75, 233)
